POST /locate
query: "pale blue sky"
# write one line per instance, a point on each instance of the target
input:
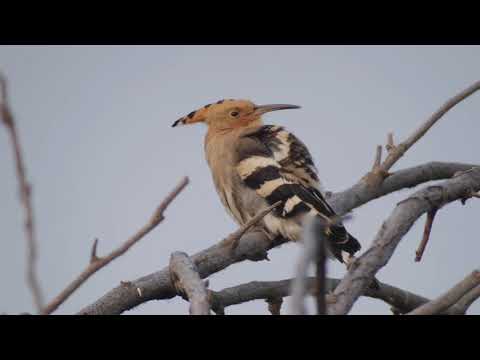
(95, 121)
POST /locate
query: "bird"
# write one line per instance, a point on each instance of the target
(255, 166)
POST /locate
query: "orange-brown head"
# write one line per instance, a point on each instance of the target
(229, 114)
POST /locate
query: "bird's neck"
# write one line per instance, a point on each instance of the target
(221, 130)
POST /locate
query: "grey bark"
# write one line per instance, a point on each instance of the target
(392, 231)
(451, 297)
(402, 300)
(254, 245)
(313, 247)
(187, 281)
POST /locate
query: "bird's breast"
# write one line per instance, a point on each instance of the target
(241, 202)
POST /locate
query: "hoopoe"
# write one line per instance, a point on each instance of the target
(255, 166)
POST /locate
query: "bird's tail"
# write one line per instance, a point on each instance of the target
(341, 243)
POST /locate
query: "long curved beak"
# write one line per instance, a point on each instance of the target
(262, 109)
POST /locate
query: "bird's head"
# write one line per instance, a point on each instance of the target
(229, 114)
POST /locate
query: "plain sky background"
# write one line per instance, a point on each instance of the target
(94, 122)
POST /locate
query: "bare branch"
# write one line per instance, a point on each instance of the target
(392, 231)
(233, 239)
(93, 253)
(402, 300)
(361, 192)
(25, 196)
(314, 251)
(450, 297)
(253, 244)
(396, 152)
(187, 281)
(96, 263)
(321, 270)
(426, 234)
(468, 299)
(400, 150)
(390, 144)
(309, 250)
(378, 158)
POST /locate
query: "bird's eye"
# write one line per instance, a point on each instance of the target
(234, 113)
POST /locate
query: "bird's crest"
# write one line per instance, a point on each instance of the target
(199, 115)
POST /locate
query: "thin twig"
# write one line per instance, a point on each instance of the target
(25, 196)
(187, 281)
(426, 234)
(400, 149)
(96, 263)
(313, 251)
(395, 152)
(390, 144)
(233, 239)
(93, 253)
(450, 297)
(321, 271)
(299, 286)
(378, 158)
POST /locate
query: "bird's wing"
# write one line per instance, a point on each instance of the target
(279, 167)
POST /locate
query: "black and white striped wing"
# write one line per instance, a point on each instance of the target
(279, 167)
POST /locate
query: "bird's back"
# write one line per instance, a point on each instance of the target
(256, 167)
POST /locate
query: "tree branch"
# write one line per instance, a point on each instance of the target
(321, 271)
(450, 297)
(400, 299)
(467, 300)
(25, 196)
(361, 193)
(395, 152)
(426, 234)
(254, 244)
(233, 239)
(187, 281)
(96, 263)
(392, 231)
(313, 252)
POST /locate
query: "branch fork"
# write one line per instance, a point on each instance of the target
(395, 152)
(188, 284)
(96, 263)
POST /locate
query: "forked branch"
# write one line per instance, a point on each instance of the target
(395, 152)
(450, 297)
(393, 230)
(254, 245)
(96, 263)
(402, 300)
(187, 282)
